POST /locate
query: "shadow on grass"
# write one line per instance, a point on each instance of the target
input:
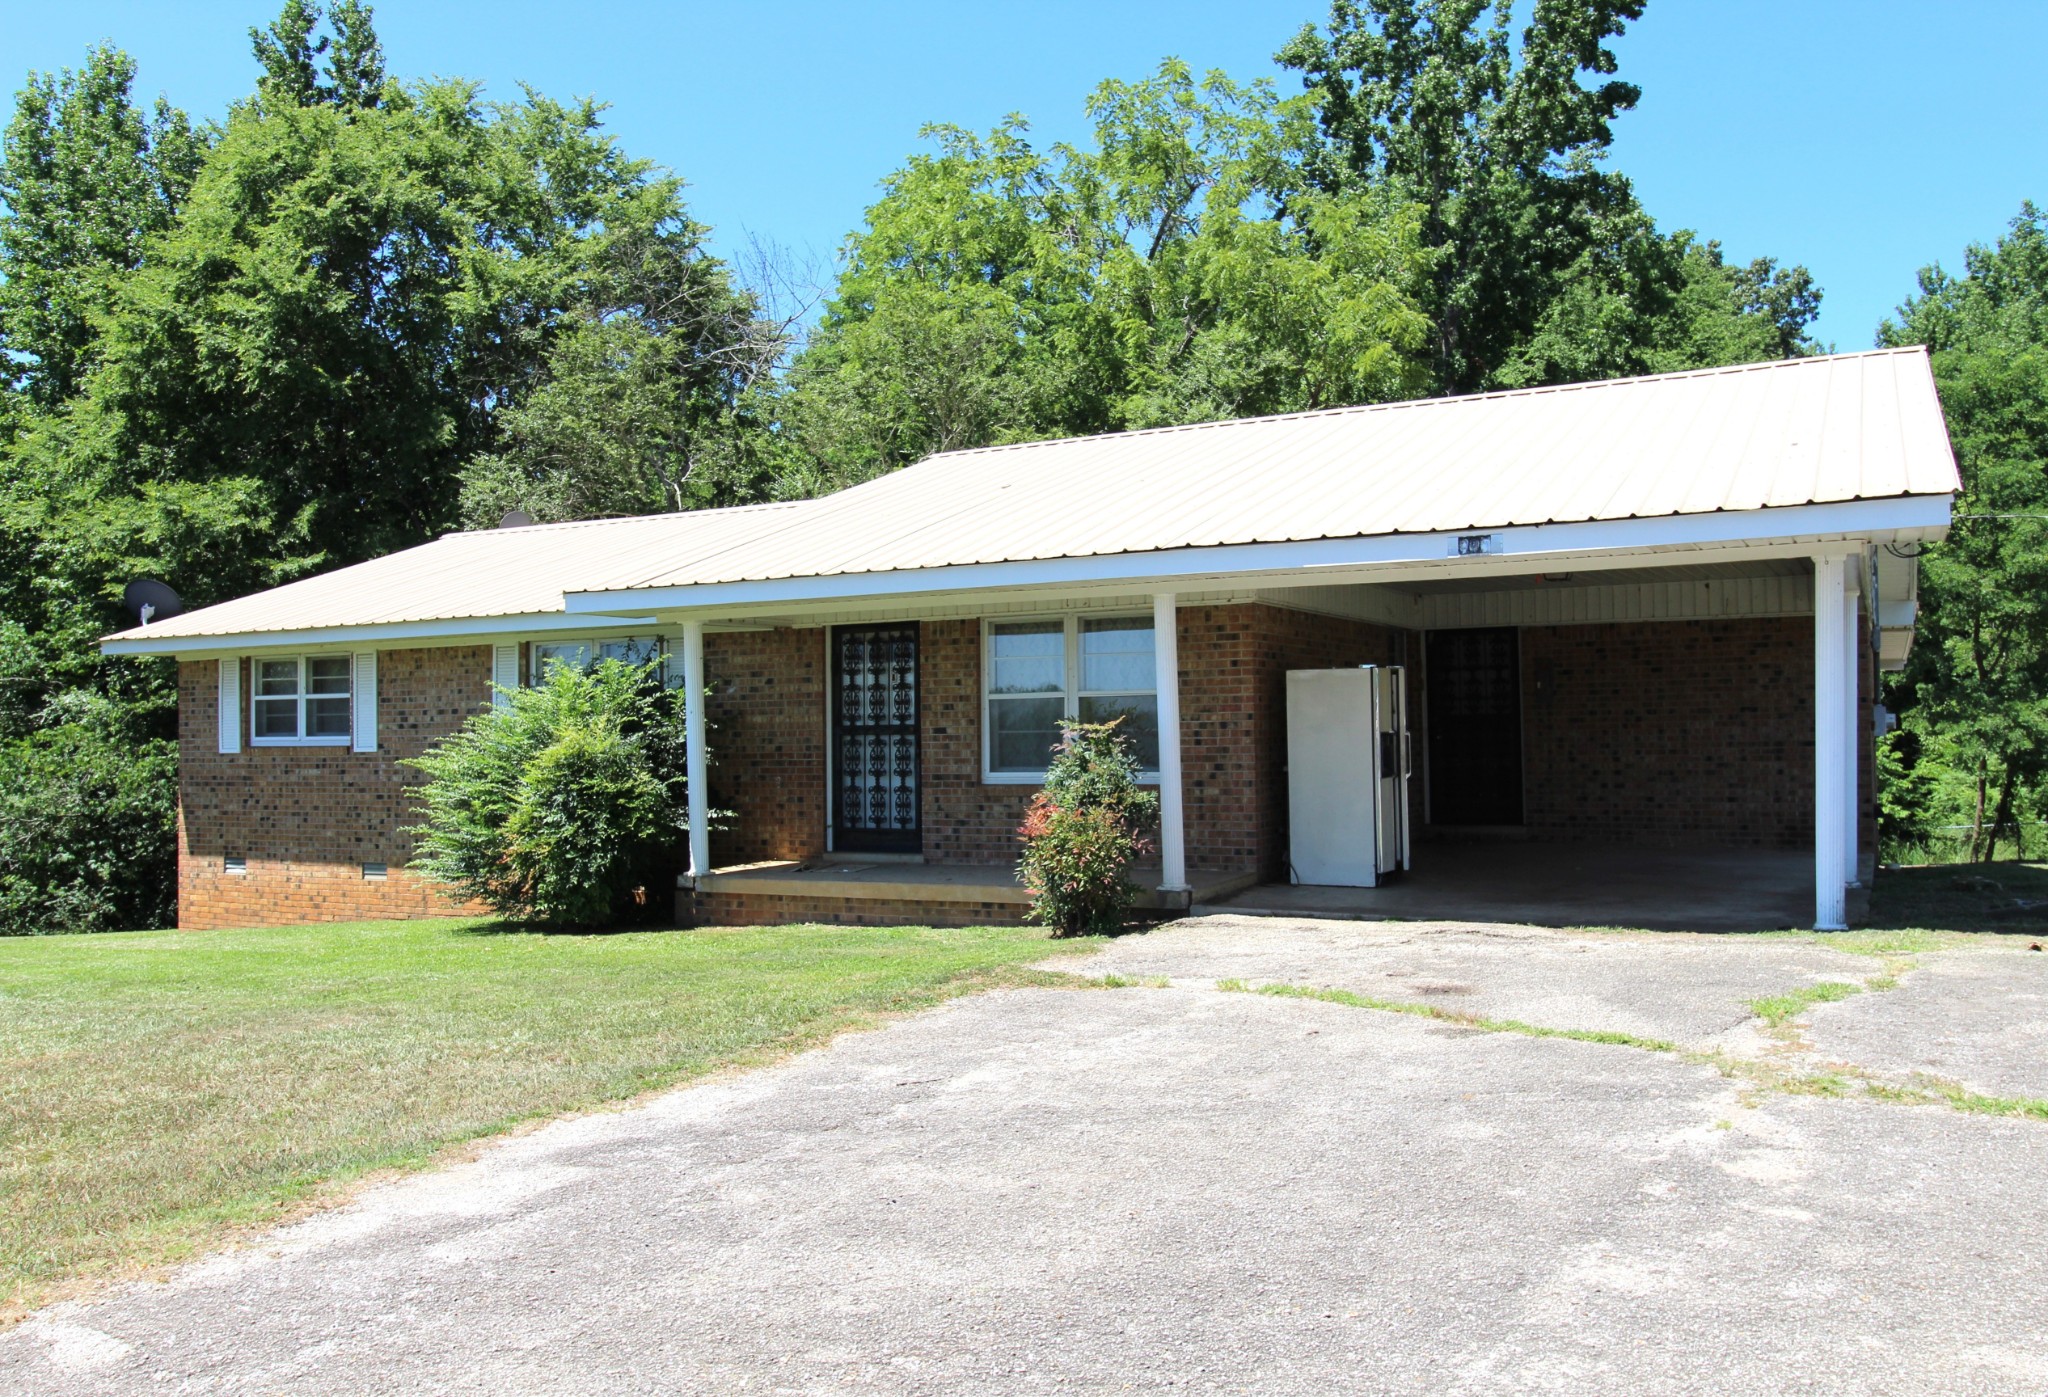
(1984, 897)
(506, 927)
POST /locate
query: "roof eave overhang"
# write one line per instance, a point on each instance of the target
(1895, 519)
(452, 631)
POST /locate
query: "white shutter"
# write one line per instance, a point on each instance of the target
(363, 689)
(231, 704)
(504, 673)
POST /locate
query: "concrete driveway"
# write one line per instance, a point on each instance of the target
(1196, 1189)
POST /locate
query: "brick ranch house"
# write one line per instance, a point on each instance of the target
(1644, 614)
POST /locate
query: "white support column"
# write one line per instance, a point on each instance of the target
(1852, 729)
(1173, 861)
(693, 748)
(1830, 743)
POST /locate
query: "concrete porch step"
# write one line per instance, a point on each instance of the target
(854, 877)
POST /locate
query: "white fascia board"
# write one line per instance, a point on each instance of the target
(1916, 515)
(450, 632)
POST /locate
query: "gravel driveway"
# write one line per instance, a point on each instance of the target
(1178, 1188)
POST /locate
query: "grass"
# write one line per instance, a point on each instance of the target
(1965, 897)
(1781, 1008)
(163, 1091)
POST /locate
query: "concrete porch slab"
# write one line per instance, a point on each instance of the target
(853, 877)
(1564, 885)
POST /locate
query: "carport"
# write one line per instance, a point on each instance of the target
(1564, 885)
(1614, 745)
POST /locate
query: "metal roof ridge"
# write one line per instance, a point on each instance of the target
(759, 506)
(1445, 400)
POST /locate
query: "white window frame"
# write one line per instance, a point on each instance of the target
(671, 662)
(1070, 698)
(255, 699)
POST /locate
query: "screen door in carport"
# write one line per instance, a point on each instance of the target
(1474, 704)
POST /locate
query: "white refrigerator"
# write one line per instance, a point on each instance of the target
(1347, 775)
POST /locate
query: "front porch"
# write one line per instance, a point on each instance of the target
(1526, 882)
(1654, 743)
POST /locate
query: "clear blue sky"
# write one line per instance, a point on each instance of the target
(1863, 139)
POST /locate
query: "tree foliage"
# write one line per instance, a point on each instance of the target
(1542, 266)
(82, 798)
(1179, 271)
(87, 177)
(1975, 692)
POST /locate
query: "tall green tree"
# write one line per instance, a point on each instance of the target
(1180, 270)
(86, 177)
(654, 393)
(291, 47)
(1543, 267)
(365, 278)
(1975, 692)
(288, 362)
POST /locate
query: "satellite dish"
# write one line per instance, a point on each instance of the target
(515, 519)
(146, 599)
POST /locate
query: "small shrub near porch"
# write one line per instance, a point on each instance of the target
(1084, 830)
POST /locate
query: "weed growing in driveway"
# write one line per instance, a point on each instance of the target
(1778, 1008)
(1970, 1101)
(1756, 1074)
(1473, 1021)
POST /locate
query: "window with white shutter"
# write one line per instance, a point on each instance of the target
(231, 704)
(365, 696)
(504, 673)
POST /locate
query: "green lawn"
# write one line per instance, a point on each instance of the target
(1962, 897)
(164, 1089)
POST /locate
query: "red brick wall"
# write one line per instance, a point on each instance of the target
(767, 743)
(1234, 710)
(308, 818)
(1671, 732)
(964, 820)
(1234, 661)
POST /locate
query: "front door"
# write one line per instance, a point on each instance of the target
(874, 739)
(1473, 692)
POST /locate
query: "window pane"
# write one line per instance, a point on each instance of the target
(1022, 732)
(1028, 657)
(1140, 713)
(327, 674)
(277, 717)
(277, 677)
(1116, 655)
(574, 653)
(327, 717)
(634, 650)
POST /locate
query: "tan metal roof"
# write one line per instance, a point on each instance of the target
(1800, 432)
(1805, 431)
(489, 573)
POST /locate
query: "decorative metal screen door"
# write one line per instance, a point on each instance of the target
(874, 739)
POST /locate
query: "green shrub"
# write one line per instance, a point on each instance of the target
(555, 807)
(88, 822)
(1083, 830)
